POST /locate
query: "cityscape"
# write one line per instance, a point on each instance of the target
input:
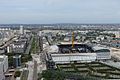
(52, 52)
(59, 39)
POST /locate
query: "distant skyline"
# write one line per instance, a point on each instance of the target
(59, 11)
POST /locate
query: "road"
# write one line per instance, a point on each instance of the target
(36, 66)
(30, 68)
(29, 46)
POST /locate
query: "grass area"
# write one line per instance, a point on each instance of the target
(62, 75)
(26, 58)
(94, 69)
(34, 45)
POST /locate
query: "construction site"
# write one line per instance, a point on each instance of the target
(81, 59)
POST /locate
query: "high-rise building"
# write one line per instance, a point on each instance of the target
(21, 30)
(3, 66)
(17, 61)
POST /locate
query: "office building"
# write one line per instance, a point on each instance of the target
(17, 61)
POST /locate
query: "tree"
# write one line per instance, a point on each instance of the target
(10, 61)
(17, 74)
(53, 75)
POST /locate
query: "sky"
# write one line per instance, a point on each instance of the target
(59, 11)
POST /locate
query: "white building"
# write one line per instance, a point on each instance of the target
(21, 30)
(79, 57)
(40, 33)
(102, 53)
(53, 49)
(66, 39)
(18, 46)
(3, 66)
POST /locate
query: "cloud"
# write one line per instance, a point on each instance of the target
(59, 11)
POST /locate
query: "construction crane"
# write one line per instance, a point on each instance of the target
(72, 39)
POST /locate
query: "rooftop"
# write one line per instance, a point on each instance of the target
(101, 48)
(2, 57)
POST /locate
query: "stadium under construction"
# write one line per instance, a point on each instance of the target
(82, 60)
(65, 53)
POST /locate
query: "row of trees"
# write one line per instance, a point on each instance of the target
(34, 45)
(61, 75)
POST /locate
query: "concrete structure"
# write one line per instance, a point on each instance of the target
(2, 51)
(67, 58)
(2, 77)
(3, 66)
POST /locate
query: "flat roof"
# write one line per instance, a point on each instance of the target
(73, 54)
(1, 59)
(69, 43)
(17, 56)
(100, 48)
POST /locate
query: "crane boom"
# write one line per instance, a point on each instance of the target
(72, 39)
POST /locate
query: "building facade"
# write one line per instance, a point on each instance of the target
(3, 66)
